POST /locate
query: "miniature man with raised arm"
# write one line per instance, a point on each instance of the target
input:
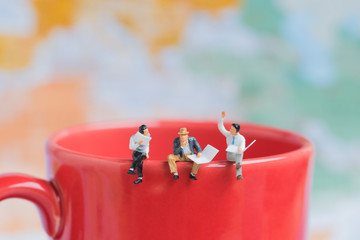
(182, 147)
(140, 153)
(233, 137)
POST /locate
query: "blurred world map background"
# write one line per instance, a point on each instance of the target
(289, 64)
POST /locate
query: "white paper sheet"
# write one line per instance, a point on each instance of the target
(139, 136)
(208, 154)
(235, 149)
(232, 149)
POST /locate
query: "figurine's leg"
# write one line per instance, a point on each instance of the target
(133, 164)
(238, 165)
(195, 168)
(137, 159)
(139, 167)
(231, 157)
(134, 156)
(172, 162)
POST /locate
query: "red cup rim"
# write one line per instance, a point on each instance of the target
(306, 145)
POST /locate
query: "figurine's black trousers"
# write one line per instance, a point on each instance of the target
(138, 162)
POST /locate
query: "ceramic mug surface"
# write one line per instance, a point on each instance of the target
(89, 195)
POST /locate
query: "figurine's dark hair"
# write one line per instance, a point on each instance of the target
(236, 126)
(142, 128)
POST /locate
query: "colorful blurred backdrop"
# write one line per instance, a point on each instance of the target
(289, 64)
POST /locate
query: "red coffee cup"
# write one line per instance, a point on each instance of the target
(89, 195)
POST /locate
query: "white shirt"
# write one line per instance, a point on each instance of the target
(237, 140)
(187, 149)
(133, 145)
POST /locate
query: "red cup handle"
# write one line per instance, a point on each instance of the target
(38, 191)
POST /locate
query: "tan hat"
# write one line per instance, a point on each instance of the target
(183, 131)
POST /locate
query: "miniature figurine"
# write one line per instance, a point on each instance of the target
(236, 144)
(182, 147)
(139, 142)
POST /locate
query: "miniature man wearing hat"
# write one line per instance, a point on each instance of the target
(182, 147)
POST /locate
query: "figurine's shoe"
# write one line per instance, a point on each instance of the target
(138, 181)
(131, 172)
(193, 177)
(239, 177)
(238, 166)
(176, 177)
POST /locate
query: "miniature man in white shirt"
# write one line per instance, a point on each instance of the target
(233, 137)
(140, 153)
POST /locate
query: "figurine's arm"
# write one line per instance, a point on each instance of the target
(133, 145)
(221, 127)
(242, 144)
(177, 147)
(147, 149)
(197, 146)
